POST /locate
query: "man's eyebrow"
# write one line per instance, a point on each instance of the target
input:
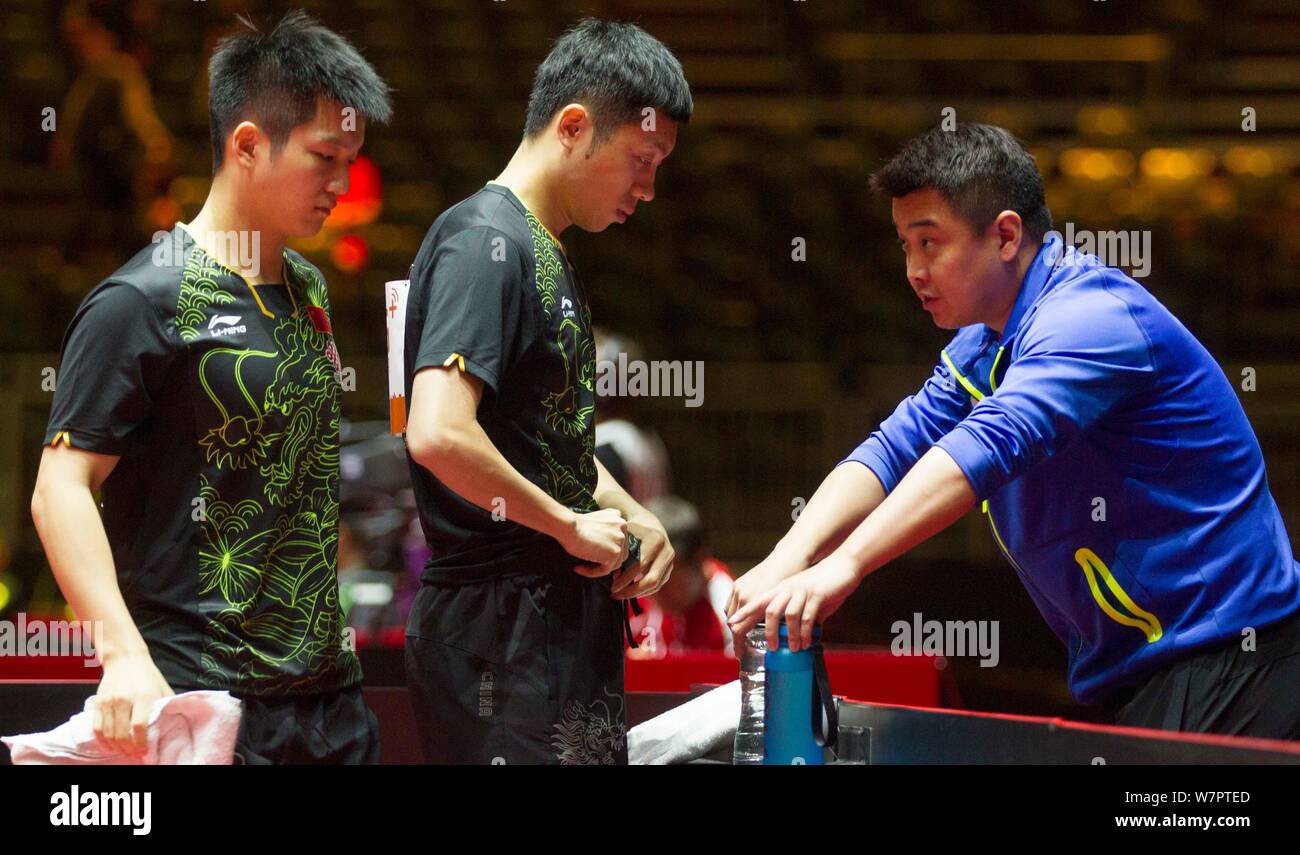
(333, 138)
(916, 224)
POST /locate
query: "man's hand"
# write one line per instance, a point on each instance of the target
(803, 600)
(127, 691)
(599, 538)
(761, 579)
(647, 576)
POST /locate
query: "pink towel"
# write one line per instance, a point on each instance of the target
(189, 729)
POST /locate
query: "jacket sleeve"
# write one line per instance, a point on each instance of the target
(914, 426)
(1080, 359)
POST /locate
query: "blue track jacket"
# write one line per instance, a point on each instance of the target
(1120, 475)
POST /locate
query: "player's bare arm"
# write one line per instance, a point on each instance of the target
(656, 565)
(68, 522)
(931, 497)
(844, 499)
(445, 437)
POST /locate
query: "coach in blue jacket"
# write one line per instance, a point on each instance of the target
(1107, 448)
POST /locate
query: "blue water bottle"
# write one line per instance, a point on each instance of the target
(799, 719)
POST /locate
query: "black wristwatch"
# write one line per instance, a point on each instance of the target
(633, 552)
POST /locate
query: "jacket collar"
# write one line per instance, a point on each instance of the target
(1036, 279)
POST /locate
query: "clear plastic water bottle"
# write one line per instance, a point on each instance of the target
(749, 732)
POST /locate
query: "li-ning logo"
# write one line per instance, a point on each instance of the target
(487, 681)
(232, 325)
(566, 307)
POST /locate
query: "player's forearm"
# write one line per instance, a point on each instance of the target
(77, 549)
(610, 494)
(931, 497)
(844, 499)
(463, 457)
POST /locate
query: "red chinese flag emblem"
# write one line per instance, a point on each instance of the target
(320, 320)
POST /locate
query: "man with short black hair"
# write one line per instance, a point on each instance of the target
(199, 390)
(514, 654)
(1067, 383)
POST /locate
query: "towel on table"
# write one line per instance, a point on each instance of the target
(695, 729)
(189, 729)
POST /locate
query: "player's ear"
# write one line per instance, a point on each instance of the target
(572, 125)
(1011, 231)
(244, 142)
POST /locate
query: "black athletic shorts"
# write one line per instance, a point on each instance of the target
(333, 729)
(523, 669)
(1225, 689)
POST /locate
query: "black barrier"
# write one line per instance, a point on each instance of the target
(883, 734)
(874, 734)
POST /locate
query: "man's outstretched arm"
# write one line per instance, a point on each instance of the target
(848, 494)
(933, 495)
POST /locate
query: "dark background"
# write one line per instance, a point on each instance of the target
(1133, 109)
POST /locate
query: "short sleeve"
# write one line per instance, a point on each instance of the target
(116, 356)
(473, 288)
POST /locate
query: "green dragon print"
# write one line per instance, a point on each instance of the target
(268, 565)
(199, 289)
(562, 409)
(280, 613)
(567, 487)
(549, 268)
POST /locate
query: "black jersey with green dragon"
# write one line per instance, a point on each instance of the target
(492, 294)
(221, 399)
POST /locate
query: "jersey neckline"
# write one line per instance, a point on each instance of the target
(252, 287)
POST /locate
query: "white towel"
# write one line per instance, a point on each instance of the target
(189, 729)
(693, 730)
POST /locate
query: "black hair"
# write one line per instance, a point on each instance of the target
(614, 69)
(276, 78)
(981, 170)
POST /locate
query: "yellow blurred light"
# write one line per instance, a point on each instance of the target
(1177, 164)
(1096, 164)
(1153, 161)
(1107, 120)
(5, 596)
(1250, 160)
(1217, 197)
(1202, 161)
